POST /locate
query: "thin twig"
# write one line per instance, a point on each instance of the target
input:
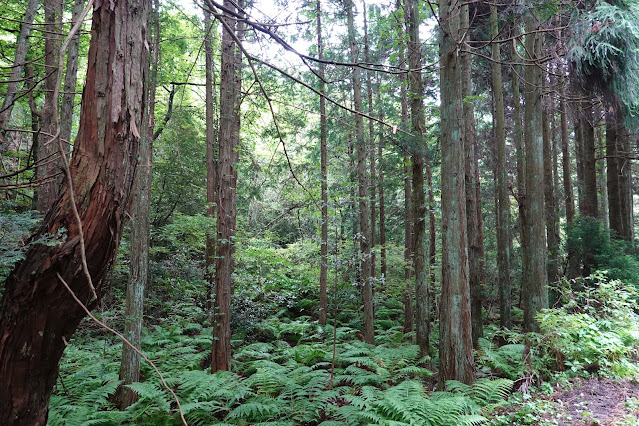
(126, 342)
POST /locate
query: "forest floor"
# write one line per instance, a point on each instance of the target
(596, 402)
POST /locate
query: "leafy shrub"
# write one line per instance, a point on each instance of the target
(596, 329)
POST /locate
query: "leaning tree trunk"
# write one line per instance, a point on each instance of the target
(37, 313)
(455, 346)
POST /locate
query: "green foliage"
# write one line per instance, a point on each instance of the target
(595, 329)
(15, 229)
(604, 48)
(589, 238)
(506, 360)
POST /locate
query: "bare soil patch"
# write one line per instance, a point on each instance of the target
(598, 402)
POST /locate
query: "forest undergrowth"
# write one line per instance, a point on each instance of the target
(283, 373)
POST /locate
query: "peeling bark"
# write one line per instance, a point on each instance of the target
(37, 313)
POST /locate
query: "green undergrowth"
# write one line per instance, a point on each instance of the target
(286, 381)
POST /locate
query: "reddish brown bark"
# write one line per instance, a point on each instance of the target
(37, 313)
(230, 82)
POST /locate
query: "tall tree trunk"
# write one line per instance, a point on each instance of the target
(22, 46)
(380, 180)
(535, 283)
(503, 198)
(624, 169)
(422, 294)
(455, 346)
(371, 141)
(549, 189)
(519, 141)
(37, 314)
(612, 163)
(70, 78)
(588, 160)
(324, 177)
(211, 160)
(48, 140)
(473, 207)
(569, 197)
(362, 184)
(409, 313)
(139, 276)
(601, 179)
(230, 84)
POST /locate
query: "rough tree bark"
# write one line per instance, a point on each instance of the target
(455, 346)
(473, 204)
(549, 188)
(503, 198)
(230, 84)
(211, 160)
(139, 276)
(535, 289)
(419, 150)
(362, 184)
(409, 313)
(37, 313)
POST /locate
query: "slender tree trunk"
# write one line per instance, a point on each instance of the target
(473, 207)
(455, 346)
(37, 314)
(47, 147)
(612, 152)
(624, 168)
(212, 150)
(520, 154)
(601, 179)
(230, 84)
(70, 78)
(323, 172)
(536, 289)
(549, 189)
(139, 276)
(380, 180)
(417, 168)
(362, 179)
(503, 198)
(22, 46)
(409, 313)
(588, 160)
(371, 142)
(569, 197)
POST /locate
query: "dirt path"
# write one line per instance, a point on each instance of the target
(598, 402)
